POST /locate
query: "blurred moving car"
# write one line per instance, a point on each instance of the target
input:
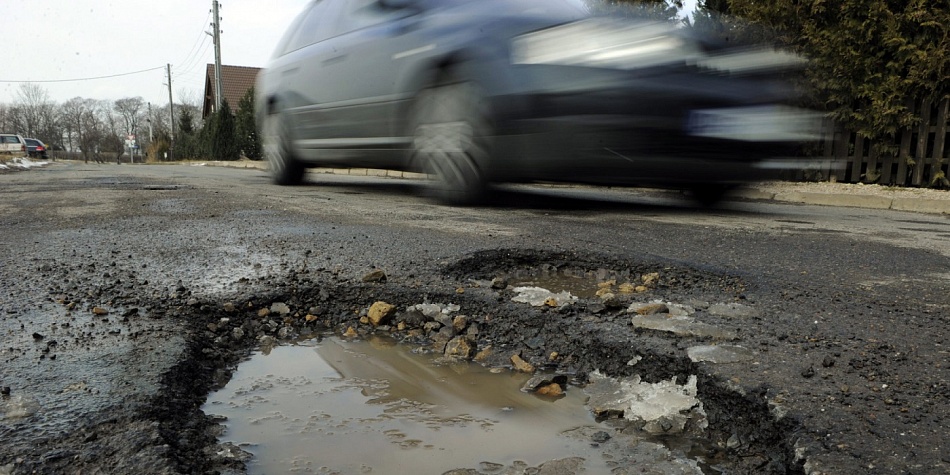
(12, 144)
(36, 148)
(491, 91)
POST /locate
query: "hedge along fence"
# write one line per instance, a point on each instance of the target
(921, 158)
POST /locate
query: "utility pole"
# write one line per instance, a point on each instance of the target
(216, 34)
(171, 112)
(150, 137)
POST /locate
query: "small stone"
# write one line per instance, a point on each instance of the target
(484, 354)
(460, 347)
(237, 333)
(650, 279)
(377, 275)
(551, 390)
(551, 302)
(499, 283)
(808, 372)
(5, 391)
(607, 284)
(280, 308)
(350, 333)
(283, 333)
(600, 437)
(460, 290)
(99, 311)
(263, 312)
(459, 323)
(603, 291)
(267, 340)
(309, 318)
(828, 362)
(626, 288)
(648, 309)
(229, 307)
(380, 312)
(521, 365)
(641, 289)
(38, 336)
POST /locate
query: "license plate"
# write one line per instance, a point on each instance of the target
(772, 123)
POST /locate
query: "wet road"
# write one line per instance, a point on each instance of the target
(850, 334)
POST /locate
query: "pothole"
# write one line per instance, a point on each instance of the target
(339, 406)
(475, 330)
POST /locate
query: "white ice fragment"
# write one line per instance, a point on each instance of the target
(434, 310)
(537, 296)
(719, 353)
(663, 407)
(18, 407)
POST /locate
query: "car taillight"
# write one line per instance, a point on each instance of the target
(22, 148)
(40, 148)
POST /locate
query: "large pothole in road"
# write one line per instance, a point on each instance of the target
(359, 406)
(479, 378)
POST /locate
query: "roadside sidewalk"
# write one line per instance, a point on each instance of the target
(918, 200)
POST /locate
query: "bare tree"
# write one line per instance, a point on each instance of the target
(36, 110)
(113, 124)
(5, 122)
(132, 111)
(85, 128)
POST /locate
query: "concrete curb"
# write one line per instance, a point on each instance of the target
(856, 200)
(916, 205)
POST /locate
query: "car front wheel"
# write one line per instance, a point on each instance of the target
(275, 145)
(452, 136)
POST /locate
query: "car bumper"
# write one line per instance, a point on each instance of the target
(651, 135)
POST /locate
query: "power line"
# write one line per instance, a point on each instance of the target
(89, 79)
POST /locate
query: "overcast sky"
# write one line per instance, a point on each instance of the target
(55, 40)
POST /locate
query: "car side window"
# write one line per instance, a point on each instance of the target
(315, 25)
(358, 14)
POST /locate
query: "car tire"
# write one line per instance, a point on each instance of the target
(275, 144)
(452, 135)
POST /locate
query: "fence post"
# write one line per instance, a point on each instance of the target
(842, 141)
(858, 158)
(923, 137)
(940, 140)
(873, 173)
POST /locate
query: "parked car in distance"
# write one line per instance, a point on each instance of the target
(12, 144)
(36, 148)
(493, 91)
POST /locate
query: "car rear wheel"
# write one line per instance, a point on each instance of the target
(275, 144)
(451, 141)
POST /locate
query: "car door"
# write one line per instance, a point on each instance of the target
(369, 61)
(303, 84)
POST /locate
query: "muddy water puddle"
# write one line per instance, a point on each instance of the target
(337, 406)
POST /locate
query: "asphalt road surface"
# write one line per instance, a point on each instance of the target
(128, 292)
